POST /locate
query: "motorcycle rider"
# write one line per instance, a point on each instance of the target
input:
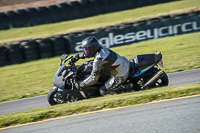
(105, 61)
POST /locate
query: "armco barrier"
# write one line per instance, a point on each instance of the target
(30, 50)
(45, 48)
(61, 45)
(68, 11)
(3, 56)
(123, 34)
(3, 24)
(15, 54)
(32, 17)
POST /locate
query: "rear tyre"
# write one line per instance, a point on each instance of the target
(164, 81)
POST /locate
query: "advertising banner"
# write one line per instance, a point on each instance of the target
(140, 31)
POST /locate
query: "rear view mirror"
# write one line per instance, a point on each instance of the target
(63, 57)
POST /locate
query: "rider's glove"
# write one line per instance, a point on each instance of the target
(76, 56)
(73, 60)
(80, 56)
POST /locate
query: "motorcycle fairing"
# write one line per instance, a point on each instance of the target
(142, 71)
(58, 79)
(61, 90)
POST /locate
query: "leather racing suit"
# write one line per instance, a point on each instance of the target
(108, 62)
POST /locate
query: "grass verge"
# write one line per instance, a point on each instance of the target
(126, 99)
(35, 78)
(8, 36)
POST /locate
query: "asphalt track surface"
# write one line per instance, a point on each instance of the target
(169, 116)
(178, 78)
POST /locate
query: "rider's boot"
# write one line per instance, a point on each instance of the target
(119, 89)
(128, 87)
(103, 91)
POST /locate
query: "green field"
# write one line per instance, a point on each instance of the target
(7, 36)
(88, 105)
(35, 78)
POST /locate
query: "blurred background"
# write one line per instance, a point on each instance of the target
(34, 33)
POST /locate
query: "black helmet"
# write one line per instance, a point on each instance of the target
(90, 46)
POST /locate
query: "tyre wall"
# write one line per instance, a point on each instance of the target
(68, 11)
(123, 34)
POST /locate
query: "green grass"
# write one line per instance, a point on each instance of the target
(36, 77)
(120, 100)
(7, 36)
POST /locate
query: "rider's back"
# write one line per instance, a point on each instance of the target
(111, 62)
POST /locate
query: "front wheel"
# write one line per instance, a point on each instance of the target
(54, 97)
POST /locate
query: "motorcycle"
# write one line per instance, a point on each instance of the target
(144, 74)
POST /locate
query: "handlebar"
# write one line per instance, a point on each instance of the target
(69, 58)
(71, 63)
(73, 60)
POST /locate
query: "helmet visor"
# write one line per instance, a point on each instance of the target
(86, 51)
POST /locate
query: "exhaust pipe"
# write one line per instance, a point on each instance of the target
(152, 80)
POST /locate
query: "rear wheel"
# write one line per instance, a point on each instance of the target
(163, 81)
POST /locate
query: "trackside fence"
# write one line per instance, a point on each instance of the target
(68, 11)
(123, 34)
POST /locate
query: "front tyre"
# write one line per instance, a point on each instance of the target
(54, 97)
